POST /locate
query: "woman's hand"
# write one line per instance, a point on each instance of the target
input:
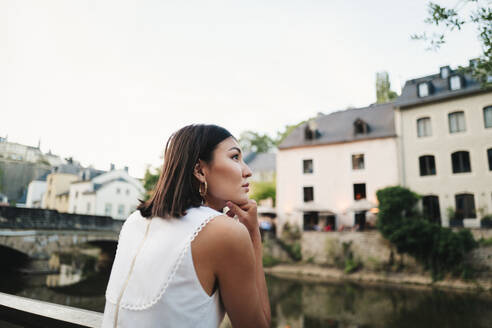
(247, 214)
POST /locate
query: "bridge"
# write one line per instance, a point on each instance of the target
(38, 233)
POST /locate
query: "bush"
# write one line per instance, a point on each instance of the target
(438, 249)
(269, 261)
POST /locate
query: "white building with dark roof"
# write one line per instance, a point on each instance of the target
(444, 122)
(329, 169)
(114, 193)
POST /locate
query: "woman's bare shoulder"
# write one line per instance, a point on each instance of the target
(225, 232)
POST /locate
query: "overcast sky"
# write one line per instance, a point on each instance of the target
(109, 81)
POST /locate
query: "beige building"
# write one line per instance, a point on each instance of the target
(57, 187)
(445, 126)
(329, 169)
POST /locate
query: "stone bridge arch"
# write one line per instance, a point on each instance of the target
(41, 244)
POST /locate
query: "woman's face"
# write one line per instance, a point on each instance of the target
(226, 175)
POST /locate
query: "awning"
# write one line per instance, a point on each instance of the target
(314, 207)
(361, 205)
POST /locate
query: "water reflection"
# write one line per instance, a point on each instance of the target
(310, 305)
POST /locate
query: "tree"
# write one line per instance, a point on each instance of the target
(448, 20)
(383, 88)
(264, 190)
(281, 135)
(150, 180)
(251, 141)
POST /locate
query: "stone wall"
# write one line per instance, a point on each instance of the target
(374, 252)
(16, 176)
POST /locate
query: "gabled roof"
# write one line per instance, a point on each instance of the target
(338, 127)
(261, 161)
(67, 168)
(98, 186)
(440, 89)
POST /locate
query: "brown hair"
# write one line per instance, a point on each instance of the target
(177, 187)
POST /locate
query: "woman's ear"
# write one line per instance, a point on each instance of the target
(198, 171)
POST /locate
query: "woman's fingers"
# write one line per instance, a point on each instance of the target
(236, 210)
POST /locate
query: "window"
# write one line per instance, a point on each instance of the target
(108, 208)
(465, 206)
(489, 155)
(359, 191)
(427, 165)
(88, 208)
(311, 221)
(121, 210)
(431, 208)
(118, 190)
(487, 117)
(76, 194)
(456, 122)
(308, 194)
(445, 72)
(360, 127)
(423, 89)
(307, 166)
(358, 162)
(424, 127)
(461, 162)
(455, 82)
(75, 209)
(128, 192)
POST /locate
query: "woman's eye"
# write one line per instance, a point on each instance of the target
(235, 156)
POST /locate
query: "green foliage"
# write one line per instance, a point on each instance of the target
(281, 135)
(292, 249)
(150, 180)
(383, 88)
(446, 20)
(263, 190)
(485, 242)
(269, 261)
(291, 232)
(451, 213)
(487, 218)
(438, 249)
(251, 141)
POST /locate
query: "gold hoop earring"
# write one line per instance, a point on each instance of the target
(203, 193)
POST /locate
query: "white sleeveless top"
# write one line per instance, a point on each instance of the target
(153, 282)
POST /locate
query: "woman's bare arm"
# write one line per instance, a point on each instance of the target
(239, 270)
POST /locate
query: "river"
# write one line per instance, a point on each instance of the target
(80, 281)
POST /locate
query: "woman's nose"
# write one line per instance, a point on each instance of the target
(247, 171)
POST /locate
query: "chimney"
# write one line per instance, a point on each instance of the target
(111, 167)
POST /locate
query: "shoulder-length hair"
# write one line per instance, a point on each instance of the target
(177, 188)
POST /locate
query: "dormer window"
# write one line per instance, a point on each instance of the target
(445, 71)
(311, 132)
(423, 89)
(360, 127)
(455, 82)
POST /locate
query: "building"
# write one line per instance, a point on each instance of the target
(444, 123)
(18, 152)
(35, 191)
(263, 166)
(114, 193)
(329, 169)
(57, 187)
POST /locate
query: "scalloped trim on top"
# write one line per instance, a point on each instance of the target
(175, 268)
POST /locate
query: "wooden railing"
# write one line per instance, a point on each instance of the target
(18, 311)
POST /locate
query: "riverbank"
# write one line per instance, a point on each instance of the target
(316, 273)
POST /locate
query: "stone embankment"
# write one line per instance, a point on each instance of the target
(366, 257)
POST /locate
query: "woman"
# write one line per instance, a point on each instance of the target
(180, 262)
